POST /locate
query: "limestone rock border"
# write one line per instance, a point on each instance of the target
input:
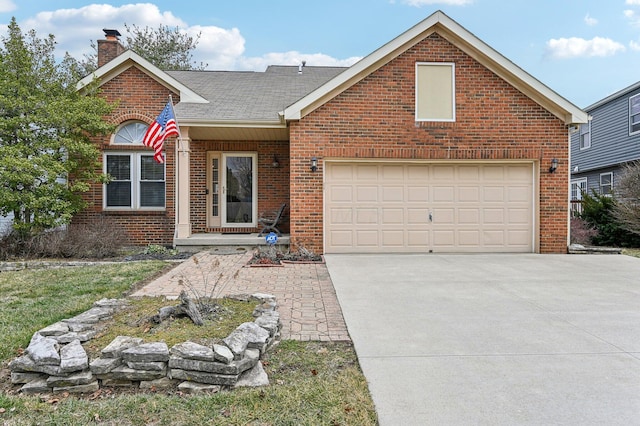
(55, 360)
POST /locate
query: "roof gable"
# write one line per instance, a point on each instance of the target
(130, 59)
(462, 39)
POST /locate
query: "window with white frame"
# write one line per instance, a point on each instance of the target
(578, 188)
(634, 114)
(435, 91)
(136, 180)
(606, 183)
(585, 135)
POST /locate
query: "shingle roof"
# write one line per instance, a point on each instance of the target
(248, 95)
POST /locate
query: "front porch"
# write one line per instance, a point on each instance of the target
(227, 243)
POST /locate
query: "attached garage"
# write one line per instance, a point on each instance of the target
(413, 207)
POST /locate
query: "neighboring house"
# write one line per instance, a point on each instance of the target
(5, 224)
(432, 143)
(610, 139)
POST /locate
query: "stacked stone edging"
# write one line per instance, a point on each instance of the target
(55, 360)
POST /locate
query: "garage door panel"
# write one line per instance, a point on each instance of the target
(417, 194)
(519, 216)
(381, 207)
(393, 216)
(392, 193)
(366, 194)
(391, 173)
(393, 238)
(367, 238)
(417, 216)
(366, 216)
(444, 194)
(469, 216)
(366, 172)
(443, 238)
(342, 238)
(493, 216)
(342, 193)
(493, 194)
(494, 237)
(418, 239)
(341, 216)
(470, 238)
(468, 194)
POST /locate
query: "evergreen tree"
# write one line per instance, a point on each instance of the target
(47, 158)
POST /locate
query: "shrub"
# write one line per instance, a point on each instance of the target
(99, 240)
(598, 212)
(581, 231)
(627, 208)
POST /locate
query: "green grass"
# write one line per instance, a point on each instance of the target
(34, 298)
(312, 383)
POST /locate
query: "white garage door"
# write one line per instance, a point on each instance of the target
(417, 208)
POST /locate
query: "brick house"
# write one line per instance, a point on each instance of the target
(432, 143)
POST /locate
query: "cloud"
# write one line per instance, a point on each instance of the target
(420, 3)
(574, 47)
(634, 45)
(7, 6)
(632, 16)
(590, 21)
(632, 2)
(218, 48)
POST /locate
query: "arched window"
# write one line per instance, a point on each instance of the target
(130, 133)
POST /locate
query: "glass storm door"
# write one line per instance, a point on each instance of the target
(238, 204)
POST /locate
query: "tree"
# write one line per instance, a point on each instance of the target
(47, 158)
(166, 48)
(627, 209)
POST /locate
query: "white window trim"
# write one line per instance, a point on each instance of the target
(580, 136)
(135, 182)
(631, 132)
(453, 92)
(579, 183)
(611, 184)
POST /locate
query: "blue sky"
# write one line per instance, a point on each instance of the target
(582, 49)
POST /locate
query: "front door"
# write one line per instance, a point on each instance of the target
(232, 189)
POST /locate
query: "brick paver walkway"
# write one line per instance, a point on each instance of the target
(307, 301)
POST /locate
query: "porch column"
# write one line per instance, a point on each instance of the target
(183, 195)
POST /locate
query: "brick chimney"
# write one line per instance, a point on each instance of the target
(110, 47)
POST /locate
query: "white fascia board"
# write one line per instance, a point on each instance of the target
(129, 58)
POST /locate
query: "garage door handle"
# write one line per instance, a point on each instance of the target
(430, 217)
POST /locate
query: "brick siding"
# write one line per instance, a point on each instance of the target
(375, 119)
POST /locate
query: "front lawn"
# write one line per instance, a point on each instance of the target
(311, 382)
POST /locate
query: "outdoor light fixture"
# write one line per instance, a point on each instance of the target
(314, 164)
(275, 164)
(554, 165)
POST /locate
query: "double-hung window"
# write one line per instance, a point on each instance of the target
(136, 180)
(585, 135)
(634, 114)
(606, 183)
(435, 91)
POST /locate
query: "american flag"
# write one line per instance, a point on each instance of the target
(163, 127)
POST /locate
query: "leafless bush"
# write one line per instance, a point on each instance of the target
(627, 208)
(581, 231)
(98, 240)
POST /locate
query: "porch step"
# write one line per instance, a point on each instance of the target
(225, 243)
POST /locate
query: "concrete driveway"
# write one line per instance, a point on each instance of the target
(495, 339)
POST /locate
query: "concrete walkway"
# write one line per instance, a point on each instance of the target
(495, 339)
(307, 302)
